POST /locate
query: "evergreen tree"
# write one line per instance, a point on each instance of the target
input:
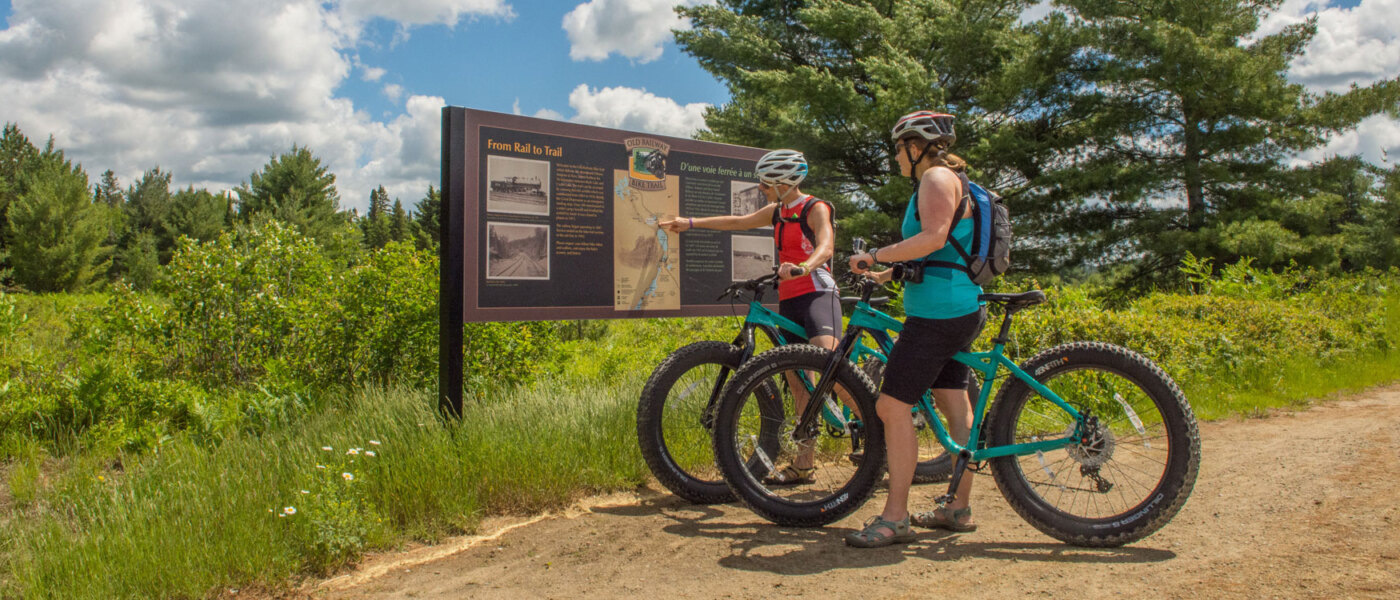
(426, 220)
(57, 234)
(17, 155)
(297, 189)
(147, 210)
(108, 191)
(198, 214)
(140, 261)
(830, 77)
(1188, 120)
(375, 224)
(398, 223)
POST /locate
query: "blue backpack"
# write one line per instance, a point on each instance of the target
(990, 254)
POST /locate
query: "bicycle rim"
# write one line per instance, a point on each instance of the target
(829, 454)
(1119, 469)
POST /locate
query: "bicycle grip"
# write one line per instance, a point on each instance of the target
(798, 271)
(862, 265)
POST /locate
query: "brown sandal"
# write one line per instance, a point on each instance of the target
(791, 475)
(943, 517)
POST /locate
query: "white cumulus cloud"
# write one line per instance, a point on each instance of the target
(636, 110)
(636, 29)
(1358, 45)
(209, 90)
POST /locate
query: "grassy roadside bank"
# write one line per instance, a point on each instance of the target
(190, 517)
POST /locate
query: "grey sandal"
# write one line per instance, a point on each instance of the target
(791, 475)
(943, 517)
(873, 535)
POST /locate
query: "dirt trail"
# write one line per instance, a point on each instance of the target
(1297, 505)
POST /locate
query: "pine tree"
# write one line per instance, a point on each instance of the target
(197, 214)
(398, 223)
(147, 211)
(1188, 119)
(297, 189)
(375, 224)
(109, 192)
(830, 78)
(17, 155)
(57, 233)
(426, 220)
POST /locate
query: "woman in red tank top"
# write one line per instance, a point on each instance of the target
(804, 235)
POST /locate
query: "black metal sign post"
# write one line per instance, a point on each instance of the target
(451, 262)
(548, 220)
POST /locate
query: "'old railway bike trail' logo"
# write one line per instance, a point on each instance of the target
(646, 162)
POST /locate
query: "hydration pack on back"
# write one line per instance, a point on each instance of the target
(801, 219)
(990, 254)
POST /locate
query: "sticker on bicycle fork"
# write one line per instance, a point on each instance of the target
(768, 465)
(1133, 416)
(839, 414)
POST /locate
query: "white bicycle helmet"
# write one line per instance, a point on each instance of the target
(932, 126)
(787, 167)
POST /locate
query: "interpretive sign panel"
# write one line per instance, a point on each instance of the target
(560, 220)
(546, 220)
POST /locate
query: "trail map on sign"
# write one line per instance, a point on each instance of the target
(644, 255)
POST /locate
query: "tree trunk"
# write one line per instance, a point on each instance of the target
(1191, 175)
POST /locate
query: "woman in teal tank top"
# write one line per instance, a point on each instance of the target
(944, 317)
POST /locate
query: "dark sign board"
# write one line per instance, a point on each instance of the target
(559, 220)
(547, 220)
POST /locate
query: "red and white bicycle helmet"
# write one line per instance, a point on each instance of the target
(787, 167)
(931, 126)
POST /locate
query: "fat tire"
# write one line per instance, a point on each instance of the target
(740, 478)
(651, 410)
(1183, 461)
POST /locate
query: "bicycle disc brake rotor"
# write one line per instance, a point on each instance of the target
(1096, 448)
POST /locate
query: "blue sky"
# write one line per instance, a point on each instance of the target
(491, 64)
(209, 90)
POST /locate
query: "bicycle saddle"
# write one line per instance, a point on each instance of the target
(1021, 300)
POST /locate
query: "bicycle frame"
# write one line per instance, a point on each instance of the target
(779, 330)
(866, 319)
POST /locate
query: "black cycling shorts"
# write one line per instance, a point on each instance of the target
(922, 357)
(817, 312)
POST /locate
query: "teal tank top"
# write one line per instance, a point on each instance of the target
(944, 293)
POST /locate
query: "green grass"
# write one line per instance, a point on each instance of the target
(188, 520)
(1293, 381)
(196, 515)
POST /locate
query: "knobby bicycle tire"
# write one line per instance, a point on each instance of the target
(1180, 460)
(821, 506)
(654, 416)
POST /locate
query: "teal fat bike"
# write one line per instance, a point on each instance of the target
(675, 414)
(1091, 443)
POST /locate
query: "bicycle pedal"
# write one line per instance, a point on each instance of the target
(856, 458)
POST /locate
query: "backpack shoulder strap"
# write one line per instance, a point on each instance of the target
(807, 210)
(957, 216)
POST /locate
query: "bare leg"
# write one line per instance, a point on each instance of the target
(902, 452)
(957, 407)
(804, 458)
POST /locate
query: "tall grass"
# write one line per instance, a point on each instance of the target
(187, 520)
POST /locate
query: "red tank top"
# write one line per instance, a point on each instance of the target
(796, 248)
